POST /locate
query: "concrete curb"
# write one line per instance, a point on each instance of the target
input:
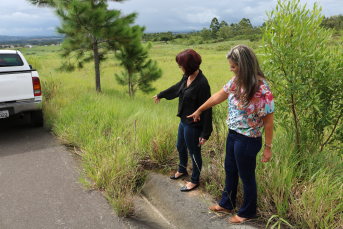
(183, 209)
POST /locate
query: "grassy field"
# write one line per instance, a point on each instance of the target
(119, 138)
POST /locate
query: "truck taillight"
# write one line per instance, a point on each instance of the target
(36, 86)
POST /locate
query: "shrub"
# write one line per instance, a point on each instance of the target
(305, 73)
(303, 182)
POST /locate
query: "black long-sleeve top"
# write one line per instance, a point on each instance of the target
(190, 99)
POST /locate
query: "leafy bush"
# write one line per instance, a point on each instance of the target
(305, 73)
(306, 78)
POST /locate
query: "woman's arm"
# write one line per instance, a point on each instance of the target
(268, 129)
(170, 93)
(173, 91)
(215, 99)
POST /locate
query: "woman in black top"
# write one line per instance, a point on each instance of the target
(193, 90)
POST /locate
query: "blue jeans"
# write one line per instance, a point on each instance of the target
(188, 138)
(240, 160)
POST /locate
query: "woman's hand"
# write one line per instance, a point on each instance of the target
(202, 141)
(267, 154)
(195, 115)
(157, 100)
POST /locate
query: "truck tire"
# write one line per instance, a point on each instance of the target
(37, 118)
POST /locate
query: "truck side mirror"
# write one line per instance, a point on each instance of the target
(30, 66)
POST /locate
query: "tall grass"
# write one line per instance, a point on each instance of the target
(309, 195)
(112, 132)
(116, 136)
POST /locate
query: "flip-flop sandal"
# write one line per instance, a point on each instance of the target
(222, 210)
(236, 220)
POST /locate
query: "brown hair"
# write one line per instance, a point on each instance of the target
(190, 60)
(246, 80)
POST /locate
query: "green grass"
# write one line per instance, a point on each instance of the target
(118, 138)
(307, 193)
(40, 50)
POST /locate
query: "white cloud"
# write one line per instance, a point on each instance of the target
(27, 29)
(196, 15)
(228, 11)
(21, 16)
(249, 10)
(150, 10)
(156, 15)
(201, 17)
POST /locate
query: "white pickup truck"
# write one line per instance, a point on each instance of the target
(20, 88)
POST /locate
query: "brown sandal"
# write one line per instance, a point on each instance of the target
(218, 209)
(238, 220)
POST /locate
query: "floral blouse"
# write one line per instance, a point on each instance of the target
(247, 120)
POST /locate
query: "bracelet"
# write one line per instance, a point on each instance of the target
(270, 146)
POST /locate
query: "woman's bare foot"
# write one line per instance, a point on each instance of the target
(238, 220)
(217, 208)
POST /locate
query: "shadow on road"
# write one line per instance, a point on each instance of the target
(19, 136)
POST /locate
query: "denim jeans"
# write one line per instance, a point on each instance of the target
(240, 160)
(188, 138)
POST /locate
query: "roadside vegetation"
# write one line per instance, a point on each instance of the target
(119, 139)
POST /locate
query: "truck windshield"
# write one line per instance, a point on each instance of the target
(7, 60)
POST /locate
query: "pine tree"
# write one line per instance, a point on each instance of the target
(91, 30)
(55, 3)
(44, 3)
(139, 71)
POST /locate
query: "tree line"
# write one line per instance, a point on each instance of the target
(333, 22)
(218, 31)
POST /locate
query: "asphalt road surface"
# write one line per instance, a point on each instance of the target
(39, 186)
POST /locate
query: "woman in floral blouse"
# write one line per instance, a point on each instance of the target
(251, 107)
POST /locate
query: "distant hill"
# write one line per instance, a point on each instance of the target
(34, 40)
(9, 38)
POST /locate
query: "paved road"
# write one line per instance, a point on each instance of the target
(39, 184)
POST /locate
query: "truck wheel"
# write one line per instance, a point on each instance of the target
(37, 118)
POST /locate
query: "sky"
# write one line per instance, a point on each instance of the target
(19, 18)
